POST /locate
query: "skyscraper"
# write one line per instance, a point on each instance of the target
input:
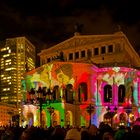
(17, 56)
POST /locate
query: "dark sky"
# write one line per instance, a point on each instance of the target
(47, 22)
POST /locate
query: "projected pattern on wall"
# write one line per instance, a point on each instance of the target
(79, 84)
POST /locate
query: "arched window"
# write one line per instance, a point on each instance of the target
(107, 94)
(67, 118)
(121, 93)
(56, 93)
(30, 118)
(69, 93)
(82, 92)
(54, 119)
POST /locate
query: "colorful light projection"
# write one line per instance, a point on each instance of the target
(31, 115)
(117, 77)
(122, 76)
(62, 74)
(49, 76)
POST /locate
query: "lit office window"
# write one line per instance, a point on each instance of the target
(9, 51)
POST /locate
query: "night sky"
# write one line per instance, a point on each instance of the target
(48, 22)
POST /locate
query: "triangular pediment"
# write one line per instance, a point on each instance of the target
(82, 40)
(122, 48)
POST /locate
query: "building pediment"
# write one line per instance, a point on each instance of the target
(121, 49)
(82, 40)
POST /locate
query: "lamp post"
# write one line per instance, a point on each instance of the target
(90, 110)
(40, 98)
(50, 110)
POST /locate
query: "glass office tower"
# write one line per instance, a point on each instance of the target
(17, 56)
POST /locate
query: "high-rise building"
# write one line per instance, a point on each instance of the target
(17, 56)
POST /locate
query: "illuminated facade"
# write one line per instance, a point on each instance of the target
(17, 56)
(83, 71)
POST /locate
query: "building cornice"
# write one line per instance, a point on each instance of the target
(82, 40)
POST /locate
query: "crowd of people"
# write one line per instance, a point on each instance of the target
(103, 132)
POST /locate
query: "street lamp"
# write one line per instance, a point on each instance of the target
(50, 110)
(90, 110)
(40, 98)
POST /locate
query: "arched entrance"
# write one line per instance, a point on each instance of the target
(55, 118)
(43, 119)
(69, 118)
(108, 118)
(123, 119)
(115, 121)
(30, 119)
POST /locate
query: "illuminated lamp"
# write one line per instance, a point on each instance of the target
(39, 97)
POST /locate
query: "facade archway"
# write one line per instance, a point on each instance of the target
(121, 93)
(115, 121)
(30, 119)
(69, 118)
(56, 93)
(111, 118)
(107, 94)
(82, 92)
(44, 121)
(69, 93)
(108, 118)
(55, 118)
(123, 119)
